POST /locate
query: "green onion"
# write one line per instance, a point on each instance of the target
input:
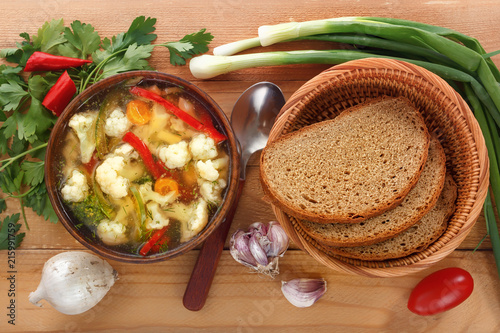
(238, 46)
(492, 228)
(207, 66)
(462, 55)
(141, 208)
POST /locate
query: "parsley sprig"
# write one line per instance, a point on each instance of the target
(27, 124)
(9, 237)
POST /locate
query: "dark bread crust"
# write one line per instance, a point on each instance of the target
(415, 239)
(385, 202)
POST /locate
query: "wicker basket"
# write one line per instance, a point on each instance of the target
(445, 114)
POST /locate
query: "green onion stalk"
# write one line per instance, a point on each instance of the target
(455, 57)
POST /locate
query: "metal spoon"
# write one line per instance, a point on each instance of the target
(252, 118)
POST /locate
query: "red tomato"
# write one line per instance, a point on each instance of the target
(441, 291)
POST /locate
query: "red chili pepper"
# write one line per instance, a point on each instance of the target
(152, 241)
(187, 118)
(60, 94)
(153, 166)
(41, 61)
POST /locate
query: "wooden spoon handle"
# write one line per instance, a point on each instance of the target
(204, 270)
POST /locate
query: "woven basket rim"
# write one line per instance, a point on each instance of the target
(380, 68)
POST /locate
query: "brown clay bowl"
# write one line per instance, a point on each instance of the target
(53, 173)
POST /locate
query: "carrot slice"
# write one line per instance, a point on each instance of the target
(138, 112)
(166, 185)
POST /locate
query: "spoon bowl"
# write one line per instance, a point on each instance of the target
(252, 118)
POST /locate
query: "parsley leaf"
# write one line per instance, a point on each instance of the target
(33, 172)
(36, 152)
(38, 86)
(36, 121)
(11, 178)
(50, 35)
(3, 142)
(82, 40)
(3, 205)
(9, 127)
(11, 94)
(18, 146)
(20, 54)
(200, 41)
(133, 59)
(8, 231)
(38, 200)
(8, 73)
(139, 33)
(179, 52)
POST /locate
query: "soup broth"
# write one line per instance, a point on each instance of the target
(140, 175)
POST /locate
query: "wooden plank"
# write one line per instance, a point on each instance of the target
(148, 298)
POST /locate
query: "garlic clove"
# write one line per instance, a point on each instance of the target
(258, 227)
(240, 250)
(303, 292)
(74, 282)
(256, 249)
(278, 240)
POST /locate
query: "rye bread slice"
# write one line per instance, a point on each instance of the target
(350, 168)
(415, 239)
(416, 204)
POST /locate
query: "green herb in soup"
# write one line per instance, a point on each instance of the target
(144, 168)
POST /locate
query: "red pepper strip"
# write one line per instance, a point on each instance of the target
(157, 247)
(155, 168)
(187, 118)
(209, 127)
(60, 94)
(149, 244)
(41, 61)
(89, 166)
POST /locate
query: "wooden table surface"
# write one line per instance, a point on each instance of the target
(148, 298)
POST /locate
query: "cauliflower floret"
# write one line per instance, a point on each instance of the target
(126, 151)
(117, 123)
(109, 179)
(76, 187)
(203, 147)
(221, 162)
(147, 193)
(198, 219)
(83, 124)
(207, 170)
(175, 156)
(211, 191)
(112, 232)
(193, 217)
(156, 219)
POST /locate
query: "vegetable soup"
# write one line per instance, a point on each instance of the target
(143, 167)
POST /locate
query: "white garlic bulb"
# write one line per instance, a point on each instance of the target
(74, 282)
(260, 247)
